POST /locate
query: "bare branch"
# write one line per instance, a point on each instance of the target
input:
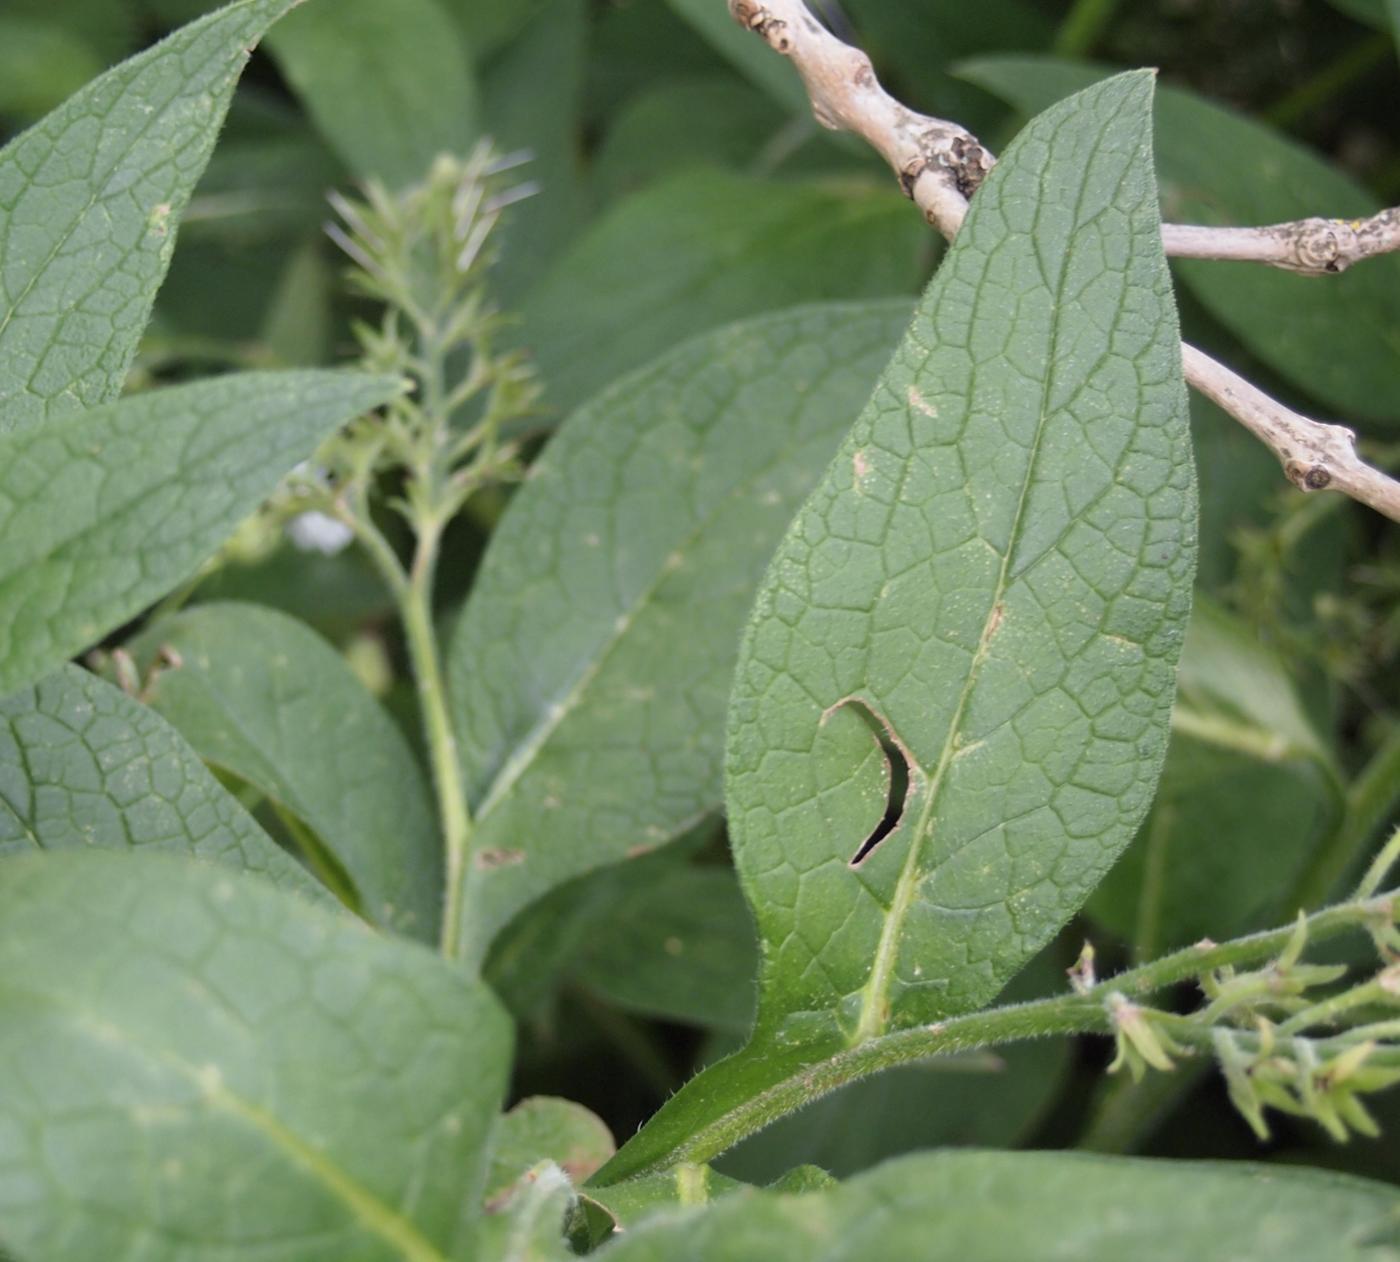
(1315, 456)
(1314, 247)
(941, 164)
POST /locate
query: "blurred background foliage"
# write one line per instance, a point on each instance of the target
(683, 184)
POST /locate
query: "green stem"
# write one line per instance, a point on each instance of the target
(1339, 74)
(416, 611)
(1084, 27)
(1371, 801)
(1068, 1014)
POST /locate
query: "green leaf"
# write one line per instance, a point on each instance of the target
(750, 55)
(702, 249)
(725, 124)
(41, 63)
(528, 1225)
(1053, 1207)
(90, 198)
(590, 669)
(994, 577)
(195, 1064)
(105, 511)
(492, 24)
(534, 103)
(660, 1195)
(1248, 787)
(996, 568)
(261, 696)
(82, 764)
(542, 1128)
(1338, 341)
(388, 82)
(680, 947)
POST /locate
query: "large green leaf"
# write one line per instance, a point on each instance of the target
(995, 575)
(89, 201)
(590, 669)
(82, 764)
(105, 511)
(388, 82)
(704, 248)
(1050, 1207)
(263, 697)
(1339, 340)
(194, 1064)
(997, 568)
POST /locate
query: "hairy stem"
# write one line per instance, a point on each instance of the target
(1086, 1013)
(416, 610)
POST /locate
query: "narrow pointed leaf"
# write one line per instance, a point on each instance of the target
(83, 765)
(90, 198)
(195, 1064)
(591, 667)
(1053, 1207)
(102, 513)
(262, 696)
(987, 593)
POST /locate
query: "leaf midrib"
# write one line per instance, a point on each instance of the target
(874, 1014)
(379, 1219)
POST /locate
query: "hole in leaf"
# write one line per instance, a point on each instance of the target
(897, 763)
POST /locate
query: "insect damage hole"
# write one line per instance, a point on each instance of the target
(898, 766)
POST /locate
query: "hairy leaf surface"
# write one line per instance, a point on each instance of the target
(195, 1064)
(591, 667)
(952, 700)
(90, 198)
(262, 696)
(82, 764)
(103, 512)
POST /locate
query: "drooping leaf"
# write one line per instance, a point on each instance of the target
(952, 700)
(90, 198)
(543, 1128)
(704, 248)
(1248, 789)
(263, 697)
(591, 666)
(1053, 1207)
(103, 512)
(83, 765)
(195, 1064)
(388, 82)
(1339, 341)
